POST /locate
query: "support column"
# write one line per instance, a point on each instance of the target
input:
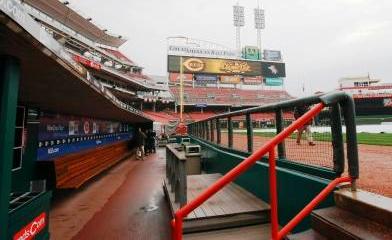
(9, 85)
(279, 128)
(154, 104)
(249, 132)
(230, 132)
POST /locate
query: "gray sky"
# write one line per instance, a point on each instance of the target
(321, 40)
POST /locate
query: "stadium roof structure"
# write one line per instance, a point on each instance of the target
(50, 79)
(70, 18)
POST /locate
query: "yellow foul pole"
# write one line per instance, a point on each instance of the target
(181, 89)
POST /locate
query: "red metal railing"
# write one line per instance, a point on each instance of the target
(269, 147)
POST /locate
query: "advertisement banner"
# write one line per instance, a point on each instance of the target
(250, 52)
(32, 229)
(175, 77)
(253, 80)
(202, 52)
(54, 127)
(206, 78)
(273, 70)
(87, 62)
(230, 79)
(215, 66)
(273, 81)
(272, 55)
(388, 102)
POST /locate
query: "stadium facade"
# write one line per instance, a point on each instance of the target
(372, 97)
(216, 80)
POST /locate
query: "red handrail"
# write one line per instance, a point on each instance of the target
(177, 222)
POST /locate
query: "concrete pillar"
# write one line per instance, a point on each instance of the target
(9, 86)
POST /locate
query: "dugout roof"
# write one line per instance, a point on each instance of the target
(50, 79)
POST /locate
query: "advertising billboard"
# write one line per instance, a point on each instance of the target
(175, 77)
(273, 70)
(253, 80)
(250, 52)
(230, 79)
(214, 66)
(63, 134)
(204, 79)
(87, 62)
(272, 55)
(202, 52)
(273, 81)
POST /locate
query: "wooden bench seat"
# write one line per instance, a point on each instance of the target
(73, 170)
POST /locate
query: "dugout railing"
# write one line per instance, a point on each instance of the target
(339, 104)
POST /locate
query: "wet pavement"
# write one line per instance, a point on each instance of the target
(127, 202)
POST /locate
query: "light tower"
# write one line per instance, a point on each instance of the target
(239, 21)
(259, 24)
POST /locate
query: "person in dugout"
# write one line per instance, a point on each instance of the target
(298, 112)
(150, 142)
(140, 143)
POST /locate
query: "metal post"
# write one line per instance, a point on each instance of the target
(181, 90)
(230, 132)
(249, 132)
(337, 140)
(351, 140)
(218, 132)
(207, 130)
(212, 131)
(203, 128)
(279, 128)
(273, 195)
(9, 85)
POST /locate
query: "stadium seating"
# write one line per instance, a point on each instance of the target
(230, 96)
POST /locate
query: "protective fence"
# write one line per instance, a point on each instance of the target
(320, 109)
(318, 143)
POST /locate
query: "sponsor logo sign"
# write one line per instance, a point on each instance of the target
(388, 102)
(253, 80)
(272, 55)
(273, 70)
(194, 51)
(194, 64)
(14, 9)
(32, 229)
(250, 52)
(230, 79)
(215, 66)
(273, 81)
(206, 78)
(87, 62)
(175, 77)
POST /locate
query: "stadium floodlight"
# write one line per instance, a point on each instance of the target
(239, 21)
(238, 16)
(259, 24)
(259, 18)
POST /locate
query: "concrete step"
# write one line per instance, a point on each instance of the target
(307, 235)
(369, 205)
(336, 223)
(255, 232)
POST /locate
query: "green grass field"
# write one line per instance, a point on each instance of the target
(373, 119)
(382, 139)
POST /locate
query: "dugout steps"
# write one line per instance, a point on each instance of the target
(357, 215)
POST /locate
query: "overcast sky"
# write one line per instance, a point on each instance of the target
(321, 40)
